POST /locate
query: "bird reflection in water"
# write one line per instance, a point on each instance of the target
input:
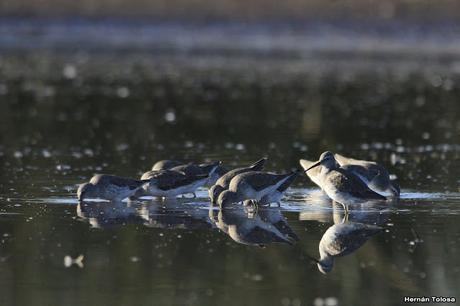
(255, 228)
(168, 215)
(348, 234)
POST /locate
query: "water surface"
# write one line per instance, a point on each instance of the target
(71, 109)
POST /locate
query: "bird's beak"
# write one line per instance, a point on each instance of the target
(314, 165)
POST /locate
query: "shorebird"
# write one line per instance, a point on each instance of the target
(341, 240)
(224, 181)
(253, 185)
(170, 183)
(277, 195)
(373, 174)
(210, 169)
(214, 171)
(109, 187)
(342, 185)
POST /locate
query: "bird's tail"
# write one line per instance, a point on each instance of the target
(258, 165)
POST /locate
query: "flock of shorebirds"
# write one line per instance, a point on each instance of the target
(346, 181)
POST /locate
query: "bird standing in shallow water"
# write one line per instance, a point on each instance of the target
(109, 187)
(224, 181)
(342, 185)
(253, 185)
(373, 174)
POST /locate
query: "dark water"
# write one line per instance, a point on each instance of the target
(69, 110)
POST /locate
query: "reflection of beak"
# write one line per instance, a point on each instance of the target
(314, 165)
(313, 259)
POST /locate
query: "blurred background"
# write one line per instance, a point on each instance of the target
(111, 86)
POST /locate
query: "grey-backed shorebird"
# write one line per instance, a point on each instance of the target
(224, 181)
(211, 169)
(373, 174)
(109, 187)
(342, 185)
(341, 240)
(170, 183)
(253, 185)
(215, 170)
(277, 195)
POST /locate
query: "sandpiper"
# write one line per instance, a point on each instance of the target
(253, 185)
(341, 240)
(342, 185)
(209, 169)
(109, 187)
(373, 174)
(224, 181)
(275, 196)
(170, 183)
(193, 169)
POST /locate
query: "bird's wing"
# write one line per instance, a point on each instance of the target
(172, 179)
(348, 182)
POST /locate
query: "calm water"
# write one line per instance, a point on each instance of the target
(69, 109)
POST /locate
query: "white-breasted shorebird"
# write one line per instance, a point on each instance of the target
(170, 183)
(109, 187)
(342, 185)
(224, 181)
(253, 185)
(373, 174)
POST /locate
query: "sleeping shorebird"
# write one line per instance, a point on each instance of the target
(169, 183)
(224, 181)
(253, 185)
(342, 185)
(109, 187)
(373, 174)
